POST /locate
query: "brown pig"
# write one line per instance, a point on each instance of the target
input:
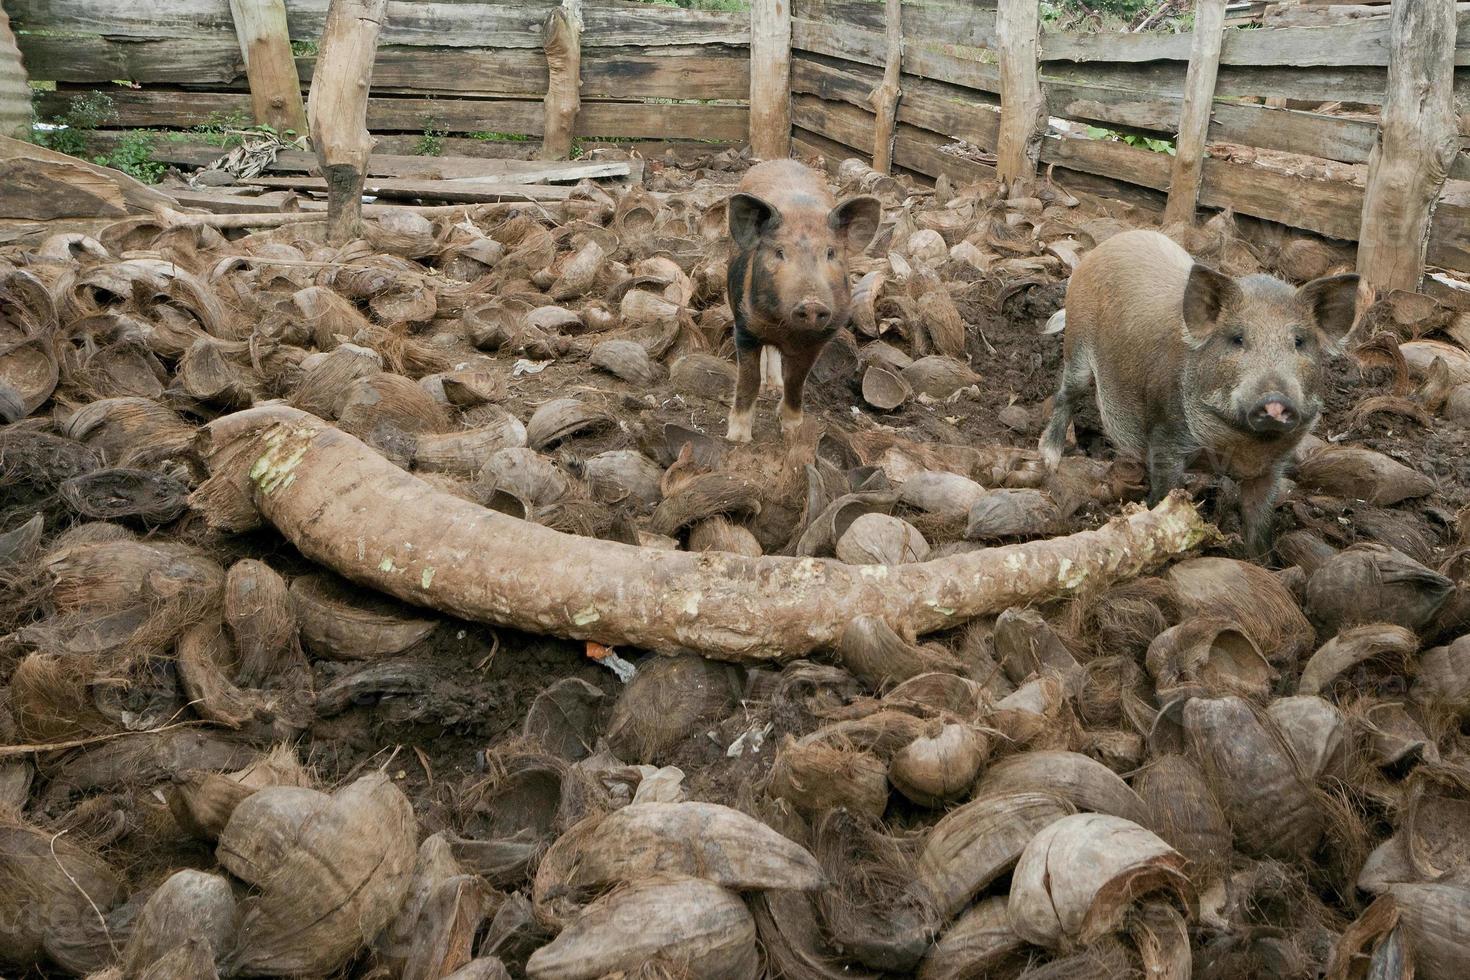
(1187, 361)
(788, 281)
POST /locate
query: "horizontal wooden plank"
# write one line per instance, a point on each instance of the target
(513, 23)
(839, 121)
(955, 22)
(1234, 82)
(1345, 43)
(453, 191)
(158, 108)
(698, 71)
(925, 104)
(973, 68)
(1449, 234)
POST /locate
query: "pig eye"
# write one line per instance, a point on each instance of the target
(831, 254)
(1300, 341)
(781, 254)
(1237, 340)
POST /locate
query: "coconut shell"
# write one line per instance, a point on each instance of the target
(879, 657)
(1208, 657)
(879, 539)
(687, 924)
(339, 623)
(933, 770)
(466, 452)
(561, 419)
(941, 494)
(1083, 782)
(698, 840)
(1362, 474)
(1183, 810)
(1246, 594)
(1012, 514)
(623, 476)
(884, 389)
(980, 943)
(1317, 731)
(1254, 772)
(1352, 647)
(818, 777)
(49, 878)
(718, 534)
(938, 376)
(339, 868)
(668, 700)
(626, 359)
(1077, 878)
(1369, 583)
(190, 905)
(978, 842)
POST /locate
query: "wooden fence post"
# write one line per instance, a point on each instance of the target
(265, 44)
(338, 109)
(1022, 104)
(1418, 138)
(886, 95)
(770, 79)
(562, 35)
(1194, 118)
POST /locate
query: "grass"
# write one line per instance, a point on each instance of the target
(1132, 139)
(727, 6)
(488, 136)
(431, 144)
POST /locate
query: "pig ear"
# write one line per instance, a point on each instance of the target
(856, 220)
(1333, 301)
(750, 218)
(1206, 295)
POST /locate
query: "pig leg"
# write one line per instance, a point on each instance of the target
(796, 365)
(747, 384)
(1166, 461)
(1076, 381)
(771, 370)
(1258, 509)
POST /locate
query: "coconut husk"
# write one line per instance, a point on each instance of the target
(623, 476)
(92, 943)
(1429, 913)
(329, 318)
(109, 494)
(1025, 644)
(665, 704)
(1352, 647)
(465, 453)
(481, 968)
(1077, 878)
(433, 931)
(1003, 514)
(1442, 680)
(524, 474)
(941, 323)
(117, 574)
(931, 770)
(685, 926)
(1208, 657)
(703, 376)
(1113, 692)
(1318, 733)
(880, 658)
(331, 872)
(51, 699)
(1362, 474)
(50, 879)
(577, 271)
(124, 368)
(817, 777)
(190, 906)
(1255, 775)
(130, 431)
(1370, 583)
(1034, 714)
(976, 843)
(205, 374)
(262, 621)
(1083, 782)
(940, 695)
(1394, 737)
(884, 389)
(561, 419)
(880, 539)
(1183, 810)
(719, 534)
(703, 496)
(980, 943)
(387, 411)
(938, 376)
(327, 379)
(863, 306)
(339, 623)
(945, 495)
(626, 359)
(565, 719)
(1238, 592)
(202, 801)
(884, 355)
(791, 938)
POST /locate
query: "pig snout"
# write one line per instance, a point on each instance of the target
(812, 314)
(1274, 413)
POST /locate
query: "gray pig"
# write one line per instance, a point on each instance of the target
(1187, 360)
(788, 280)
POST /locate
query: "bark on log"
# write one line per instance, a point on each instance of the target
(345, 506)
(1022, 105)
(338, 109)
(886, 95)
(563, 45)
(265, 44)
(770, 79)
(1194, 119)
(1417, 143)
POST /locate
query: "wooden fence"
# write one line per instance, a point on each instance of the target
(951, 68)
(450, 67)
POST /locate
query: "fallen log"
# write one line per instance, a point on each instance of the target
(345, 506)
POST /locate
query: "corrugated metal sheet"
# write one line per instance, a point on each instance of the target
(15, 93)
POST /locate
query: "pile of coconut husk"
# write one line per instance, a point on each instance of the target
(1230, 768)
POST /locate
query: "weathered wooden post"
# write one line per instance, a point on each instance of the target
(1417, 142)
(886, 95)
(562, 40)
(338, 109)
(1194, 118)
(265, 44)
(1022, 104)
(770, 79)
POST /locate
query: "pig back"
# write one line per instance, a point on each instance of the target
(1125, 313)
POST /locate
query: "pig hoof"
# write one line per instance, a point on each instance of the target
(1051, 457)
(739, 430)
(790, 423)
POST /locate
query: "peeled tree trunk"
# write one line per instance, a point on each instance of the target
(345, 506)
